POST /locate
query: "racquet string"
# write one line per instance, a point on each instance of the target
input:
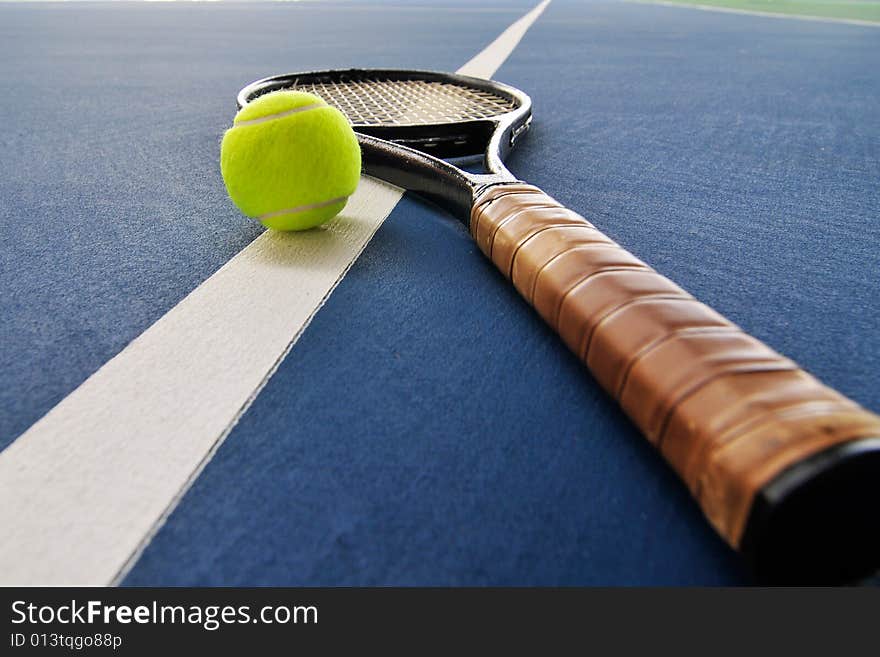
(379, 101)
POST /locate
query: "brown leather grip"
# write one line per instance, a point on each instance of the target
(726, 411)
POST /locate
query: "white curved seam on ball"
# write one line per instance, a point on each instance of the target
(279, 115)
(303, 208)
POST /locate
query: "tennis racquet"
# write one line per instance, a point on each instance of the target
(786, 469)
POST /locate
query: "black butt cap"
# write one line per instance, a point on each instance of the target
(818, 523)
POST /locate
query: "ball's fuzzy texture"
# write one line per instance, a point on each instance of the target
(290, 160)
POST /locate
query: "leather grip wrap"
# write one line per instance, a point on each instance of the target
(726, 411)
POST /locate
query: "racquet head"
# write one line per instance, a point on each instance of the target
(421, 118)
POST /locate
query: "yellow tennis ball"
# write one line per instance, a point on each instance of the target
(290, 160)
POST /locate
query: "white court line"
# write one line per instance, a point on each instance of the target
(86, 487)
(485, 63)
(769, 14)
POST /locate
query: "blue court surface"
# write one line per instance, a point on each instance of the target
(426, 427)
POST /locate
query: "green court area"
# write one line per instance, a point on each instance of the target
(865, 10)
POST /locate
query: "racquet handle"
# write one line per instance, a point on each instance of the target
(726, 411)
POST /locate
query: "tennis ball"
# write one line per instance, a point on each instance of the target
(290, 160)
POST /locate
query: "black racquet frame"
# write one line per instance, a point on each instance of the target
(423, 146)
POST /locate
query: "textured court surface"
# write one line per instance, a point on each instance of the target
(427, 428)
